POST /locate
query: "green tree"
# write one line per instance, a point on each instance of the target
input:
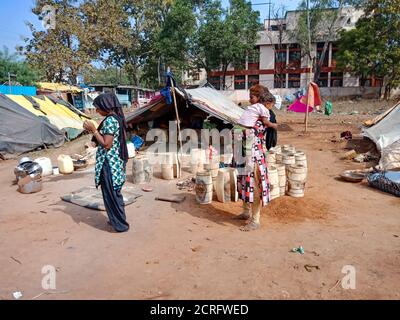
(373, 47)
(325, 25)
(225, 36)
(107, 75)
(57, 50)
(10, 63)
(174, 40)
(144, 22)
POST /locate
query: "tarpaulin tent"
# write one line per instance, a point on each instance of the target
(22, 131)
(58, 114)
(384, 130)
(208, 100)
(312, 98)
(58, 87)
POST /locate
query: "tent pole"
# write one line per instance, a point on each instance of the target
(178, 121)
(309, 63)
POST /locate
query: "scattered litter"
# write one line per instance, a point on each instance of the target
(147, 189)
(43, 212)
(310, 267)
(396, 236)
(48, 293)
(334, 286)
(354, 112)
(160, 295)
(187, 184)
(62, 243)
(17, 295)
(174, 199)
(350, 155)
(315, 253)
(299, 250)
(365, 157)
(328, 108)
(347, 135)
(16, 260)
(137, 141)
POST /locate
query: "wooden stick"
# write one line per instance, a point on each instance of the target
(178, 121)
(309, 64)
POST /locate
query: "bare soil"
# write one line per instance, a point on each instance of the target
(189, 251)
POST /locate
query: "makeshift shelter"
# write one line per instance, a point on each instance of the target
(384, 130)
(74, 95)
(198, 103)
(57, 87)
(22, 131)
(58, 114)
(312, 98)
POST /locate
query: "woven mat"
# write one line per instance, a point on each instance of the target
(92, 198)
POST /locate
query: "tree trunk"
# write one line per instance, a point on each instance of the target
(387, 92)
(320, 63)
(225, 69)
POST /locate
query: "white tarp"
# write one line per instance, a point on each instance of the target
(215, 103)
(209, 100)
(386, 135)
(386, 131)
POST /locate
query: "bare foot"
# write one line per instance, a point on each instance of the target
(243, 216)
(250, 227)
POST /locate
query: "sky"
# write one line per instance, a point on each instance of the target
(14, 13)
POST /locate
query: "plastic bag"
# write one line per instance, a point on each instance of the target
(138, 142)
(328, 108)
(388, 181)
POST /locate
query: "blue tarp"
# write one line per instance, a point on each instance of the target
(18, 90)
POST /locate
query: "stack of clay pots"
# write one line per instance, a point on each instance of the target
(291, 166)
(297, 178)
(274, 183)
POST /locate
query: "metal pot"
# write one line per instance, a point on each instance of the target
(29, 168)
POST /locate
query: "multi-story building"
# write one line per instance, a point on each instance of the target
(280, 65)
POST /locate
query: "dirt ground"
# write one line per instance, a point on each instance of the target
(188, 251)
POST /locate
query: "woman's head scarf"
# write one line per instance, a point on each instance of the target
(108, 102)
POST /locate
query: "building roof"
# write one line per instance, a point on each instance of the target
(120, 86)
(348, 19)
(209, 100)
(58, 87)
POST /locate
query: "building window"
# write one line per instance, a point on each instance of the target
(320, 49)
(323, 79)
(336, 79)
(334, 54)
(294, 56)
(277, 27)
(254, 60)
(280, 53)
(253, 80)
(215, 82)
(240, 82)
(280, 81)
(240, 65)
(294, 80)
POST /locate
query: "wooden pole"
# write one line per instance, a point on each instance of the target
(178, 121)
(309, 62)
